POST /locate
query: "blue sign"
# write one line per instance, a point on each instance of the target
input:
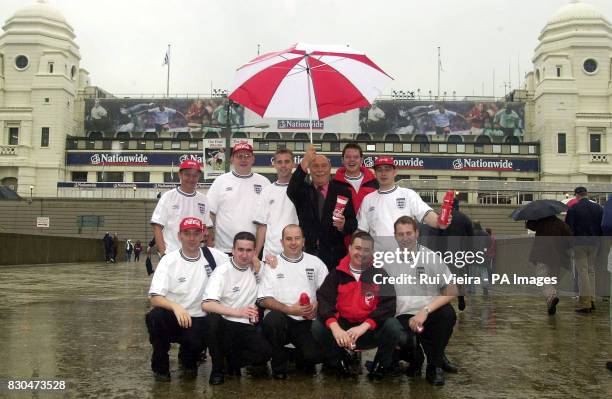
(459, 162)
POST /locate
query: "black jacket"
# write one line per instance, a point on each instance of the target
(584, 218)
(330, 248)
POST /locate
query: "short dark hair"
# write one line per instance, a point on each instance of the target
(289, 226)
(353, 146)
(406, 220)
(244, 235)
(362, 235)
(283, 151)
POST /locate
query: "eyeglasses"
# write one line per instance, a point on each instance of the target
(244, 156)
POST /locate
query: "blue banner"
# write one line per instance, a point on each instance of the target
(461, 162)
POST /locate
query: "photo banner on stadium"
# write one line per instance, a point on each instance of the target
(155, 115)
(493, 119)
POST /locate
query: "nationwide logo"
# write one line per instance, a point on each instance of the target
(300, 124)
(119, 159)
(85, 185)
(192, 157)
(482, 164)
(123, 185)
(400, 163)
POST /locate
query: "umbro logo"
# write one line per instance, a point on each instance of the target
(182, 279)
(175, 207)
(236, 289)
(228, 188)
(280, 275)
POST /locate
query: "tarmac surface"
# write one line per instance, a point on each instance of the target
(84, 324)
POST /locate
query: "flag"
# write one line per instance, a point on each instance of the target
(167, 57)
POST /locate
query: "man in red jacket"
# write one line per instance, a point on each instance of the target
(353, 315)
(357, 178)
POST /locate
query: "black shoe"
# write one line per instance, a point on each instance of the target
(592, 305)
(584, 310)
(309, 369)
(461, 304)
(216, 379)
(609, 365)
(161, 377)
(552, 305)
(376, 371)
(434, 375)
(279, 375)
(447, 366)
(347, 367)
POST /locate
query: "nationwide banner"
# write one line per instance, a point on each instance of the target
(454, 162)
(86, 185)
(154, 115)
(493, 119)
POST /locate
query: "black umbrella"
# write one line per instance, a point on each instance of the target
(538, 210)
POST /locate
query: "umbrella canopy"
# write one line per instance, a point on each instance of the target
(538, 209)
(308, 81)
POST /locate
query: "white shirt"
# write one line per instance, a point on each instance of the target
(174, 206)
(233, 199)
(182, 280)
(232, 287)
(162, 117)
(290, 278)
(413, 297)
(380, 209)
(276, 211)
(354, 181)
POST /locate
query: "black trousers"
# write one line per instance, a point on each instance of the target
(164, 329)
(280, 329)
(240, 344)
(437, 331)
(385, 338)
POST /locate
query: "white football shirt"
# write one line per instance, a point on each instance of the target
(233, 287)
(380, 209)
(290, 278)
(174, 206)
(233, 199)
(276, 211)
(182, 280)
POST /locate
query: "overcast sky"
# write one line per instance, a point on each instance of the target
(123, 42)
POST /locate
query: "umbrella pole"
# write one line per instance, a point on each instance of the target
(309, 99)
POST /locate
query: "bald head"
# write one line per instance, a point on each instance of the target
(320, 170)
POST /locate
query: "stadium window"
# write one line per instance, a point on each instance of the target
(141, 177)
(561, 143)
(558, 71)
(110, 177)
(595, 142)
(13, 136)
(183, 136)
(442, 147)
(370, 147)
(44, 137)
(478, 148)
(123, 136)
(532, 149)
(50, 67)
(388, 147)
(79, 176)
(141, 145)
(496, 149)
(175, 145)
(170, 177)
(407, 147)
(514, 149)
(460, 148)
(335, 146)
(193, 145)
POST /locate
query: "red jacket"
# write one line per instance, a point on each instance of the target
(368, 185)
(341, 296)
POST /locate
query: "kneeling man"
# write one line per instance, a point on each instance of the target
(176, 296)
(232, 292)
(288, 292)
(353, 315)
(423, 308)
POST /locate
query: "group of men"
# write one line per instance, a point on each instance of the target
(317, 289)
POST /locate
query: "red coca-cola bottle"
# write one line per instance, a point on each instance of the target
(447, 208)
(304, 299)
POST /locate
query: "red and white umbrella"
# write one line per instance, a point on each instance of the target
(308, 82)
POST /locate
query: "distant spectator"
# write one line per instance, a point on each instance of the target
(137, 251)
(108, 247)
(491, 251)
(129, 248)
(481, 243)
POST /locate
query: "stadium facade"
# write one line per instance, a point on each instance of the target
(61, 136)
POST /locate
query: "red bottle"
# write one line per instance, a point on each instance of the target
(447, 208)
(304, 299)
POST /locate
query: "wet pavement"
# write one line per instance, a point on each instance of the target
(85, 324)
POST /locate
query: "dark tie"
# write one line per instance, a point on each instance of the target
(321, 200)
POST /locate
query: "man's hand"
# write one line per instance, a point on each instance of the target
(300, 310)
(271, 261)
(309, 156)
(416, 321)
(342, 338)
(445, 226)
(313, 313)
(339, 222)
(183, 318)
(248, 312)
(357, 331)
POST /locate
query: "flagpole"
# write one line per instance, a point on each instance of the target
(168, 77)
(439, 67)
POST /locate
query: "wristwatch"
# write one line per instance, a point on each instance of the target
(426, 310)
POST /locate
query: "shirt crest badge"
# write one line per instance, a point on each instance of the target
(257, 188)
(401, 203)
